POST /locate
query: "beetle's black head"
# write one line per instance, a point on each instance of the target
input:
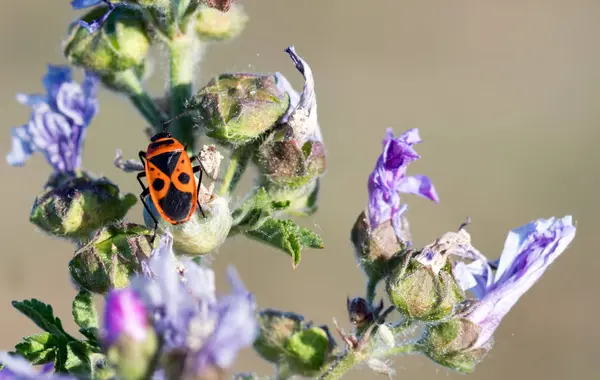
(160, 135)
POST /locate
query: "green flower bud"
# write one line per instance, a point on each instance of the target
(199, 235)
(75, 206)
(238, 108)
(115, 253)
(424, 287)
(378, 251)
(120, 44)
(452, 344)
(214, 25)
(276, 328)
(309, 351)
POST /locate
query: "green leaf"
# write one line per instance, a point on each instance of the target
(84, 310)
(286, 235)
(78, 358)
(42, 315)
(91, 333)
(38, 348)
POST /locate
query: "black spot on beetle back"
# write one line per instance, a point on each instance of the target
(176, 204)
(184, 178)
(158, 184)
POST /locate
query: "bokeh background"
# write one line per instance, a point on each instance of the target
(506, 95)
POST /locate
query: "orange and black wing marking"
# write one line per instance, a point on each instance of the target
(172, 185)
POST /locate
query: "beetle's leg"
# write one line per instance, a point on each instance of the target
(145, 192)
(197, 169)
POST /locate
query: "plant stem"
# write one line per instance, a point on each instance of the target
(128, 82)
(352, 358)
(283, 372)
(238, 162)
(182, 51)
(372, 289)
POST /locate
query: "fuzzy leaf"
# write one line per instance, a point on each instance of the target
(42, 315)
(91, 333)
(286, 235)
(78, 358)
(38, 348)
(84, 311)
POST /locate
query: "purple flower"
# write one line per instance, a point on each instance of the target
(124, 314)
(96, 24)
(187, 314)
(389, 179)
(18, 368)
(58, 120)
(528, 252)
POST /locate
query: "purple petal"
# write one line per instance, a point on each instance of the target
(21, 147)
(18, 368)
(58, 121)
(410, 137)
(419, 185)
(53, 80)
(529, 251)
(237, 327)
(397, 154)
(124, 315)
(80, 4)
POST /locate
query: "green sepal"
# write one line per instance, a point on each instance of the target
(38, 348)
(84, 311)
(308, 351)
(286, 235)
(113, 255)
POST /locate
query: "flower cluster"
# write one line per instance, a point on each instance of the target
(175, 300)
(162, 316)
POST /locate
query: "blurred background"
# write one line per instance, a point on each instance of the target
(506, 95)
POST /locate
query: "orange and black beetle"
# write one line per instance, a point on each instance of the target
(171, 182)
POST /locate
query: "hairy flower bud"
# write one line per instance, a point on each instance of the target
(453, 344)
(121, 42)
(237, 108)
(214, 25)
(378, 250)
(130, 341)
(287, 339)
(309, 351)
(201, 234)
(286, 164)
(115, 253)
(276, 328)
(424, 289)
(76, 205)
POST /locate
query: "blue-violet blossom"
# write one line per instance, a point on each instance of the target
(124, 315)
(528, 251)
(58, 120)
(180, 297)
(18, 368)
(389, 179)
(96, 24)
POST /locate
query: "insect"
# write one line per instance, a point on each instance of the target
(171, 182)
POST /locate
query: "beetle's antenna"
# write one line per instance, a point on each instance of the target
(166, 123)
